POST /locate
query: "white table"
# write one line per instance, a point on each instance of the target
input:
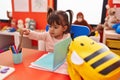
(112, 40)
(110, 34)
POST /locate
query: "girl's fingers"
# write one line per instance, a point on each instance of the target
(22, 31)
(26, 32)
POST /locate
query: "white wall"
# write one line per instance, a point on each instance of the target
(4, 6)
(92, 9)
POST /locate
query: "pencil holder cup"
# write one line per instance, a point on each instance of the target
(17, 58)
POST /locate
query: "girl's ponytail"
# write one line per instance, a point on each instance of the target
(50, 10)
(70, 16)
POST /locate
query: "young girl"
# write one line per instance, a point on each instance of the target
(59, 28)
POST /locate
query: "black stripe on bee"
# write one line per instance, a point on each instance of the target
(103, 60)
(110, 68)
(95, 54)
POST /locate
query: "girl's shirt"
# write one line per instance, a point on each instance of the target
(45, 36)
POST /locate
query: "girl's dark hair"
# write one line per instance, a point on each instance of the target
(60, 17)
(49, 11)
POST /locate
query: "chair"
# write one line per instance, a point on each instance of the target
(76, 30)
(79, 30)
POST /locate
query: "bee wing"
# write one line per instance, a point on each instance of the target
(76, 59)
(104, 46)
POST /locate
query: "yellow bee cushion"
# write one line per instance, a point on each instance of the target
(89, 60)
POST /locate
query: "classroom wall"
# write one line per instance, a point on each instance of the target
(39, 17)
(110, 2)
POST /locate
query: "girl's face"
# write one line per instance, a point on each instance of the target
(57, 31)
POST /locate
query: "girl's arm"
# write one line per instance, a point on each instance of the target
(38, 35)
(33, 34)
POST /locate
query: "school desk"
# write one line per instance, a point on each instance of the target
(24, 72)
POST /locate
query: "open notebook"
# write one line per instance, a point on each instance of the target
(52, 61)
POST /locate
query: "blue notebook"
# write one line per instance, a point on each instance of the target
(52, 61)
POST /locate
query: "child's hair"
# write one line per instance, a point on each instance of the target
(60, 17)
(49, 11)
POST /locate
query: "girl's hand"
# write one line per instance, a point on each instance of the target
(24, 31)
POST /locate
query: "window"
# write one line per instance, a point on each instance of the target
(94, 10)
(5, 5)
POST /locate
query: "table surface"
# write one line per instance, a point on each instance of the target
(111, 34)
(24, 72)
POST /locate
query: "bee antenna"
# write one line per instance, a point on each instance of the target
(72, 36)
